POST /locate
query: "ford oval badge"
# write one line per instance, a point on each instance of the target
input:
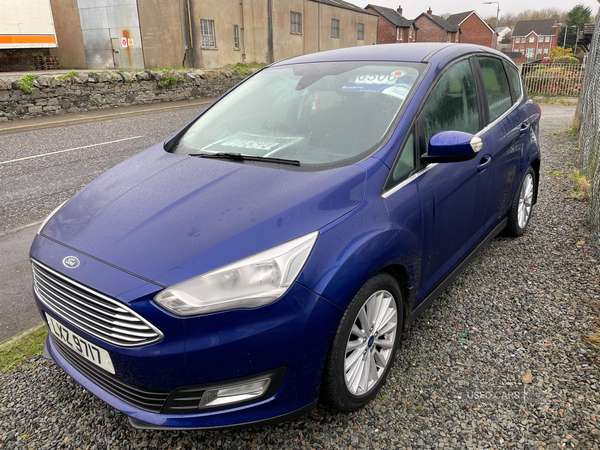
(71, 262)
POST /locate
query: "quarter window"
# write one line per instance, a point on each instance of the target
(516, 80)
(496, 86)
(452, 105)
(236, 37)
(361, 31)
(406, 163)
(335, 28)
(295, 22)
(207, 33)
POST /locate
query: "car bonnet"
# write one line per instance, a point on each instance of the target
(168, 217)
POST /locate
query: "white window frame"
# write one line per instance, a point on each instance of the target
(236, 37)
(335, 31)
(295, 25)
(545, 51)
(532, 39)
(547, 38)
(360, 34)
(399, 34)
(410, 33)
(208, 36)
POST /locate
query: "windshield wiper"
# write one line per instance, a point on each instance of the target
(240, 157)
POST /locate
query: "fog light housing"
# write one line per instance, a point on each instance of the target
(234, 394)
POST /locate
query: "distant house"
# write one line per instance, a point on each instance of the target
(393, 27)
(535, 38)
(473, 29)
(503, 32)
(435, 29)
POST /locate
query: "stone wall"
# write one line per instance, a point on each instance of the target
(56, 94)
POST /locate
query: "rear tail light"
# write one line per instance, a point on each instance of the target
(540, 110)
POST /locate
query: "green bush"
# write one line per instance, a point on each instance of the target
(67, 76)
(170, 78)
(566, 60)
(26, 83)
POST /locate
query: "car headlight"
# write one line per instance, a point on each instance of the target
(39, 231)
(251, 282)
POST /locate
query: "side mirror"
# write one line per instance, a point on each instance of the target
(453, 146)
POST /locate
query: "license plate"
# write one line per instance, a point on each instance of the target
(89, 351)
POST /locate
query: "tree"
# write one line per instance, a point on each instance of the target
(576, 17)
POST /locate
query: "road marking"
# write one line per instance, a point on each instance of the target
(70, 149)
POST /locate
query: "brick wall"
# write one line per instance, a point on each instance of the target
(429, 31)
(474, 31)
(386, 32)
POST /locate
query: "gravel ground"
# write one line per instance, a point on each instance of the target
(499, 361)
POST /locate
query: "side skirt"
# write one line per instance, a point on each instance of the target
(442, 287)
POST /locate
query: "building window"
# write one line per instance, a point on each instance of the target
(236, 37)
(399, 34)
(295, 22)
(547, 38)
(531, 39)
(517, 40)
(448, 38)
(361, 31)
(410, 32)
(456, 40)
(207, 32)
(539, 50)
(545, 51)
(335, 28)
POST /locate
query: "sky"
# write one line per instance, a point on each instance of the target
(412, 8)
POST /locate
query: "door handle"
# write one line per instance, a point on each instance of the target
(484, 163)
(524, 127)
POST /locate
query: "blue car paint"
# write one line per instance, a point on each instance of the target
(216, 212)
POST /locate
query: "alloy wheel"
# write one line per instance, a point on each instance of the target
(525, 200)
(370, 345)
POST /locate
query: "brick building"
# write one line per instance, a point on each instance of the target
(435, 29)
(535, 38)
(393, 27)
(473, 29)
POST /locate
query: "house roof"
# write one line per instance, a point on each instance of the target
(392, 16)
(344, 5)
(501, 29)
(459, 18)
(441, 23)
(543, 27)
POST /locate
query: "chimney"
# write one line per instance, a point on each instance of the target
(399, 9)
(429, 11)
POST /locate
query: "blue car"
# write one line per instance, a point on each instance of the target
(274, 251)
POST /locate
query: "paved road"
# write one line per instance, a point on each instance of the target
(41, 169)
(31, 188)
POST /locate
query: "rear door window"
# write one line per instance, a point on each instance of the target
(496, 84)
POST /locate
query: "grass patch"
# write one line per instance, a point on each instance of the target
(20, 351)
(245, 69)
(581, 190)
(555, 173)
(68, 76)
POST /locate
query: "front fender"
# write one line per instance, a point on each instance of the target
(357, 246)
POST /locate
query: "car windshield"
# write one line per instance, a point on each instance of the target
(318, 114)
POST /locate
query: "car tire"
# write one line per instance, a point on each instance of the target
(362, 354)
(522, 207)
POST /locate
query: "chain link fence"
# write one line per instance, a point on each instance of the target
(589, 120)
(551, 79)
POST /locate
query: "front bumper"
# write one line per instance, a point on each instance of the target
(288, 339)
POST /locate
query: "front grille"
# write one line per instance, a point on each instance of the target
(90, 311)
(143, 398)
